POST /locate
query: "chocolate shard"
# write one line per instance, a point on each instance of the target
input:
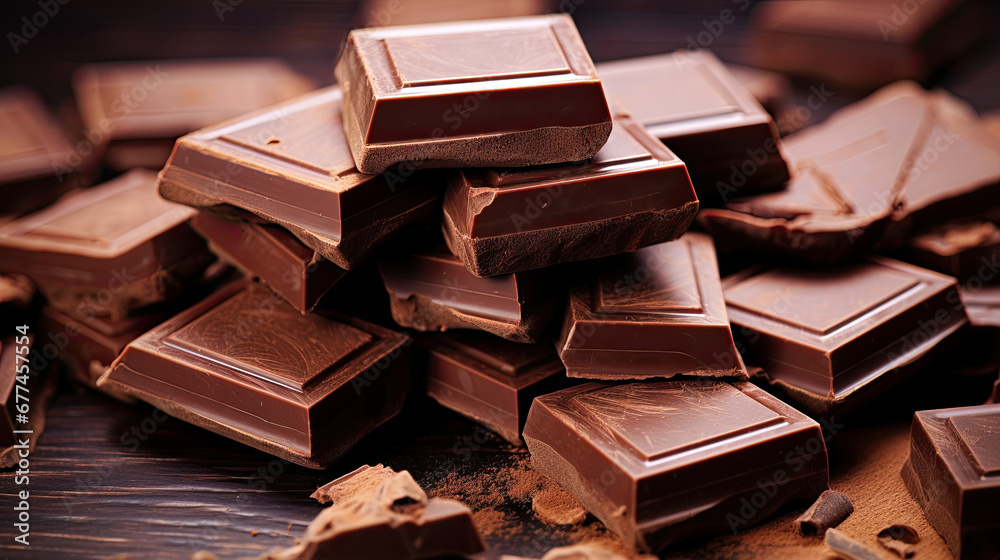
(658, 312)
(270, 253)
(556, 506)
(633, 193)
(363, 481)
(490, 380)
(982, 304)
(953, 473)
(662, 462)
(37, 162)
(861, 45)
(248, 366)
(108, 250)
(900, 158)
(490, 93)
(965, 249)
(723, 135)
(431, 290)
(140, 108)
(391, 520)
(848, 548)
(289, 164)
(899, 539)
(829, 510)
(834, 357)
(25, 394)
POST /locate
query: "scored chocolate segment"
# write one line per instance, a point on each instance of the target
(246, 365)
(472, 94)
(269, 252)
(490, 380)
(633, 193)
(713, 123)
(953, 472)
(638, 455)
(658, 312)
(107, 250)
(825, 350)
(432, 290)
(290, 164)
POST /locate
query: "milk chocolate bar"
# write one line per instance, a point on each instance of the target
(107, 250)
(488, 379)
(964, 249)
(37, 162)
(138, 109)
(835, 337)
(901, 158)
(295, 272)
(661, 462)
(723, 135)
(290, 165)
(489, 93)
(431, 290)
(245, 364)
(862, 45)
(658, 312)
(633, 193)
(953, 472)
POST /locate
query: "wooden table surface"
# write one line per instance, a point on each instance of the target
(110, 480)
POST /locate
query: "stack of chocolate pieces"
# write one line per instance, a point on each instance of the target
(527, 214)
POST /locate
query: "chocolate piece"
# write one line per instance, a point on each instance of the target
(491, 93)
(362, 482)
(433, 291)
(290, 164)
(373, 13)
(490, 380)
(633, 193)
(964, 249)
(658, 312)
(727, 140)
(248, 366)
(269, 252)
(37, 163)
(107, 250)
(140, 108)
(982, 304)
(22, 411)
(900, 158)
(834, 352)
(860, 44)
(848, 548)
(666, 461)
(953, 472)
(392, 520)
(899, 539)
(829, 510)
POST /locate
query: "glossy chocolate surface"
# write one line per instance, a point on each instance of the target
(246, 365)
(290, 164)
(953, 472)
(431, 290)
(712, 123)
(490, 380)
(269, 252)
(832, 347)
(633, 193)
(770, 89)
(864, 44)
(110, 248)
(662, 462)
(166, 99)
(32, 145)
(501, 92)
(658, 312)
(898, 158)
(982, 303)
(965, 249)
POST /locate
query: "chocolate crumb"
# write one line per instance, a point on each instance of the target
(899, 539)
(847, 547)
(829, 510)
